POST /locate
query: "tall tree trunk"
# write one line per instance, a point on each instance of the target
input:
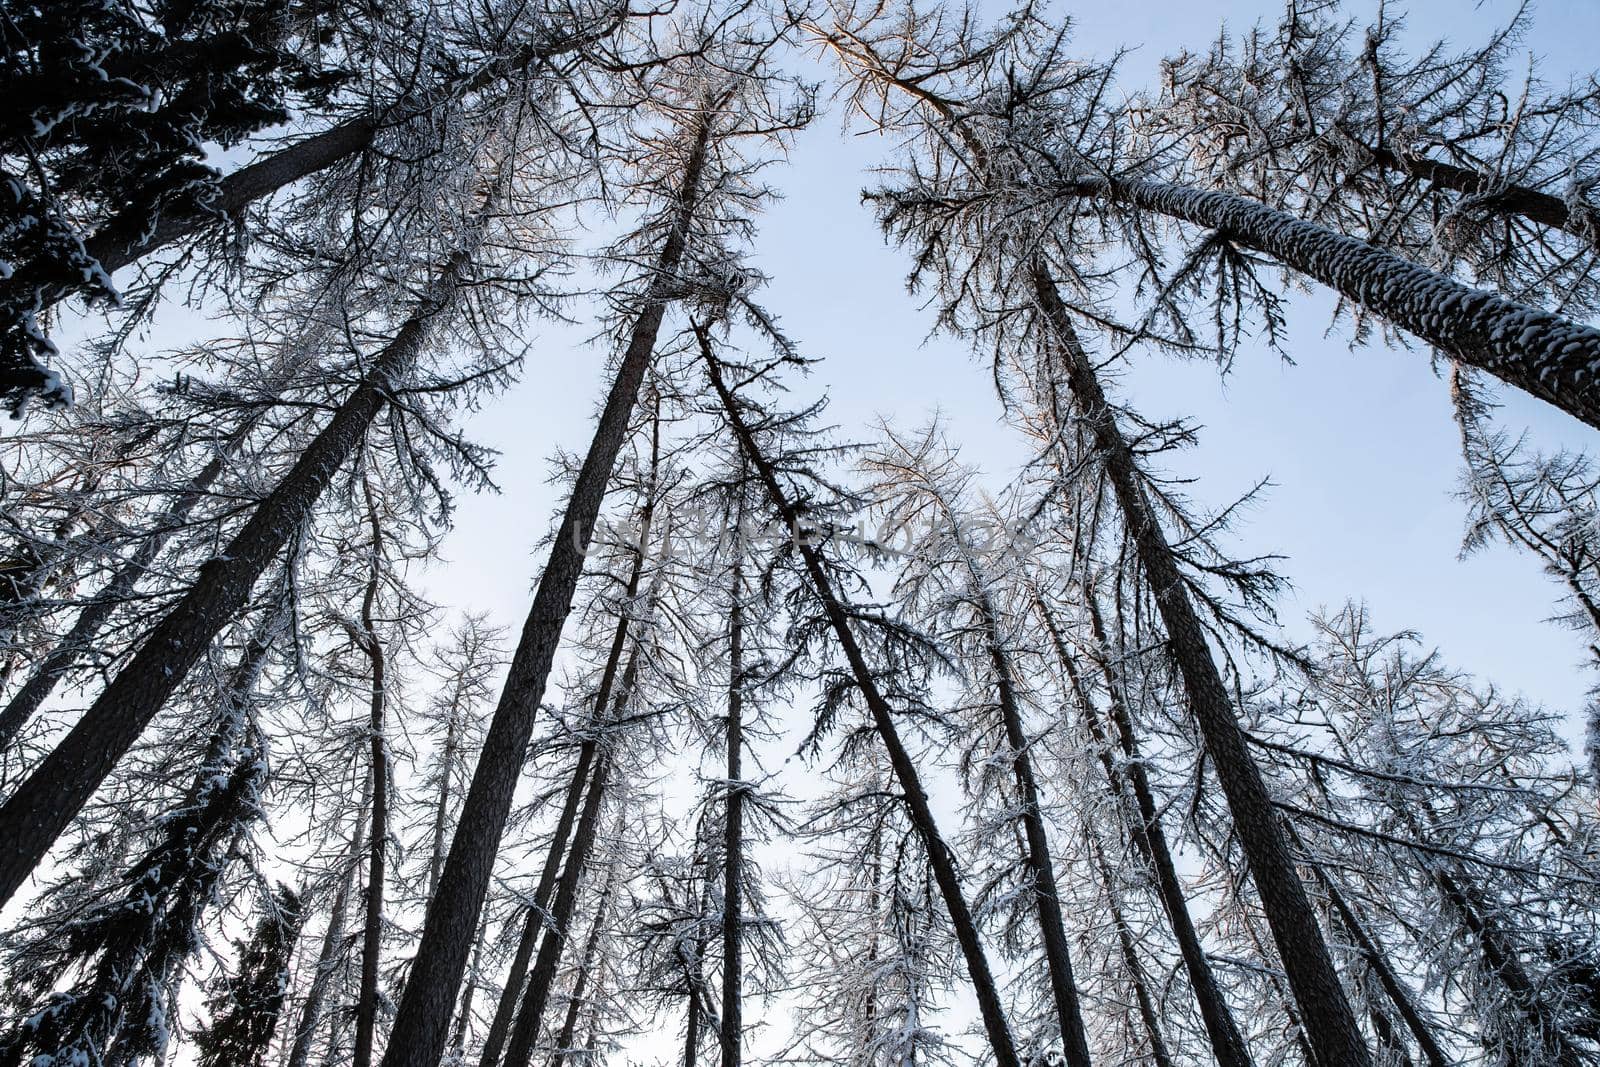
(534, 920)
(333, 940)
(1330, 1024)
(1038, 859)
(418, 1036)
(519, 1050)
(372, 932)
(458, 1042)
(940, 857)
(535, 915)
(1377, 960)
(1227, 1045)
(1552, 357)
(691, 1029)
(591, 945)
(22, 706)
(733, 832)
(46, 802)
(1148, 1015)
(441, 809)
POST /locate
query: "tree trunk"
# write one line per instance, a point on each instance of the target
(1040, 863)
(1148, 1015)
(1226, 1043)
(1330, 1024)
(534, 921)
(591, 945)
(458, 1043)
(372, 933)
(441, 810)
(332, 942)
(1552, 357)
(733, 841)
(1378, 960)
(940, 856)
(511, 995)
(691, 1029)
(46, 802)
(519, 1051)
(418, 1036)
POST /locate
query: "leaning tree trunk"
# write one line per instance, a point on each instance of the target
(419, 1033)
(940, 857)
(1377, 961)
(1039, 861)
(333, 945)
(46, 802)
(378, 842)
(519, 1050)
(1330, 1024)
(1149, 1016)
(733, 831)
(1552, 357)
(80, 638)
(1226, 1043)
(458, 1042)
(575, 999)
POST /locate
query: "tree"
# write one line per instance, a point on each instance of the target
(41, 807)
(695, 187)
(951, 576)
(244, 1013)
(860, 677)
(967, 144)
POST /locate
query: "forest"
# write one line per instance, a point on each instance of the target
(810, 740)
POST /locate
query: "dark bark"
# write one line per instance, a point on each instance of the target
(534, 919)
(1038, 859)
(46, 802)
(377, 845)
(691, 1029)
(1488, 194)
(1330, 1024)
(1378, 961)
(580, 988)
(1500, 961)
(733, 839)
(418, 1037)
(1227, 1045)
(458, 1043)
(940, 857)
(1551, 357)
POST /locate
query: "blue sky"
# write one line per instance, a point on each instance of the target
(1360, 445)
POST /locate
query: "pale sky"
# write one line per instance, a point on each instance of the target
(1360, 445)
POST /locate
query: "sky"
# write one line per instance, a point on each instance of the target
(1359, 444)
